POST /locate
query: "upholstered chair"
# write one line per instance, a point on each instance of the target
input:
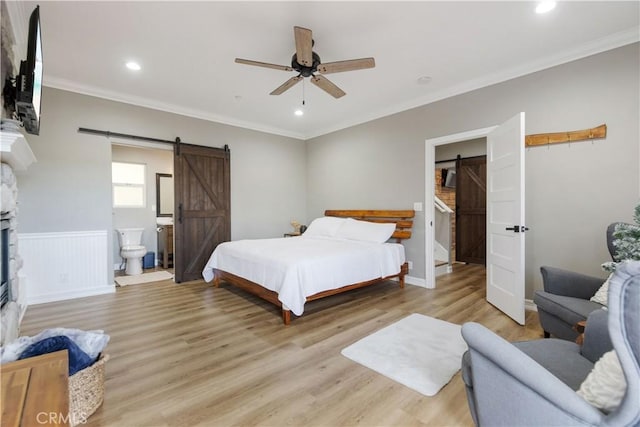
(565, 300)
(534, 383)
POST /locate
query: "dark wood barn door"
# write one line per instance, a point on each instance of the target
(471, 208)
(202, 207)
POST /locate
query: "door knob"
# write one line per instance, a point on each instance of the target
(517, 228)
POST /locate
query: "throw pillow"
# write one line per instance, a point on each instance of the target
(605, 385)
(365, 231)
(602, 294)
(326, 226)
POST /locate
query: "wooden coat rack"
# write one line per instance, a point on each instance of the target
(560, 137)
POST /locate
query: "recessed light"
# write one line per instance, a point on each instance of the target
(133, 66)
(298, 113)
(424, 80)
(545, 6)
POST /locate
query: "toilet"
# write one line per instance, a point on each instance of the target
(131, 249)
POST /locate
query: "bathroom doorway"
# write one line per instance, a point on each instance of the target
(146, 213)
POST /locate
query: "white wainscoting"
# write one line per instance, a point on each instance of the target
(66, 265)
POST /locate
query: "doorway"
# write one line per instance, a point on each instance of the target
(200, 177)
(460, 195)
(154, 159)
(505, 212)
(448, 147)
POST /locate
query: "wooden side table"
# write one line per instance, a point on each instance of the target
(35, 391)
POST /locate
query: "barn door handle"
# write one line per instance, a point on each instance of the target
(517, 228)
(180, 213)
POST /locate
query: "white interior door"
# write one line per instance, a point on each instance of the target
(505, 218)
(430, 156)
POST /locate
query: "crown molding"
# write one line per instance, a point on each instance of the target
(70, 86)
(613, 41)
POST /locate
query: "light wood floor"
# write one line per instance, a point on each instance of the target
(191, 354)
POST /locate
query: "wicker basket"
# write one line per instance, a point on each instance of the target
(86, 391)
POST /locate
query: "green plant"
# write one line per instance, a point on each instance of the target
(626, 241)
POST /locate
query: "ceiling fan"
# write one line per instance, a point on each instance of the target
(306, 62)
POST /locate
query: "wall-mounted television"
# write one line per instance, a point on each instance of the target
(29, 81)
(449, 178)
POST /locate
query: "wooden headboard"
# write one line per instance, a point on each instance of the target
(402, 218)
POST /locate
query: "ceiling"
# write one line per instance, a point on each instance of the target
(187, 51)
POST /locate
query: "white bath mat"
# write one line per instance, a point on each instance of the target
(418, 351)
(143, 278)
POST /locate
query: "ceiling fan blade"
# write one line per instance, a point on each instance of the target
(304, 46)
(263, 64)
(352, 64)
(286, 85)
(326, 85)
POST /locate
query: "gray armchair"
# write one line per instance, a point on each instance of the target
(565, 298)
(533, 383)
(565, 301)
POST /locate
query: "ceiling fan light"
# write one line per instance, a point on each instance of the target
(545, 6)
(299, 112)
(307, 62)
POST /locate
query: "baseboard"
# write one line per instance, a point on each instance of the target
(530, 305)
(415, 281)
(443, 269)
(60, 296)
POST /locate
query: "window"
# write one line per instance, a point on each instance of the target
(128, 185)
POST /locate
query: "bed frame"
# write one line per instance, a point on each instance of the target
(404, 222)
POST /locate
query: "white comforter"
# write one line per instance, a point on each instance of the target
(297, 267)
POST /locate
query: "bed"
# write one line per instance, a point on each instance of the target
(342, 251)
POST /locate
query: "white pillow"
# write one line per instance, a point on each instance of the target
(366, 231)
(603, 293)
(605, 385)
(326, 226)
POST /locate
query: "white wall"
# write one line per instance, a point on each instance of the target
(69, 188)
(573, 190)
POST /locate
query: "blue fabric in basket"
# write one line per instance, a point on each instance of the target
(78, 359)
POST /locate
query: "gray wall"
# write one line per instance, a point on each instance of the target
(156, 161)
(572, 190)
(69, 188)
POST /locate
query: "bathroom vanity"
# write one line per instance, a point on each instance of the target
(164, 220)
(165, 245)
